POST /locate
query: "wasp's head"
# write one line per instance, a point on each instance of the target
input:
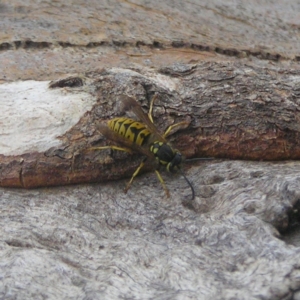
(167, 156)
(175, 163)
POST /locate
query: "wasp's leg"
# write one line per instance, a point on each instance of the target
(125, 150)
(151, 108)
(110, 147)
(170, 128)
(162, 183)
(134, 175)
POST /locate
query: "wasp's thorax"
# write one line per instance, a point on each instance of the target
(166, 155)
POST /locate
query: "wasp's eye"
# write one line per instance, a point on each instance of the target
(175, 163)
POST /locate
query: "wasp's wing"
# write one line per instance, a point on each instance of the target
(122, 141)
(131, 104)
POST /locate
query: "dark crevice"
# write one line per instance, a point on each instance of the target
(291, 234)
(29, 44)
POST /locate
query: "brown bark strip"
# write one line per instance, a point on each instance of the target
(235, 111)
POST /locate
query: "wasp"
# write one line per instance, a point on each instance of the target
(143, 137)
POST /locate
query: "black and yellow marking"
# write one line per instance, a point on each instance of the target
(130, 129)
(166, 155)
(144, 137)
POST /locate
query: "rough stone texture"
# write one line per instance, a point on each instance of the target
(239, 238)
(95, 242)
(270, 26)
(45, 40)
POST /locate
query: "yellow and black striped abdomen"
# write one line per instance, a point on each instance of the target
(130, 129)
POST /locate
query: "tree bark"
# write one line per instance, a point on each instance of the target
(233, 111)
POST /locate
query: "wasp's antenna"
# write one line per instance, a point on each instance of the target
(189, 183)
(199, 158)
